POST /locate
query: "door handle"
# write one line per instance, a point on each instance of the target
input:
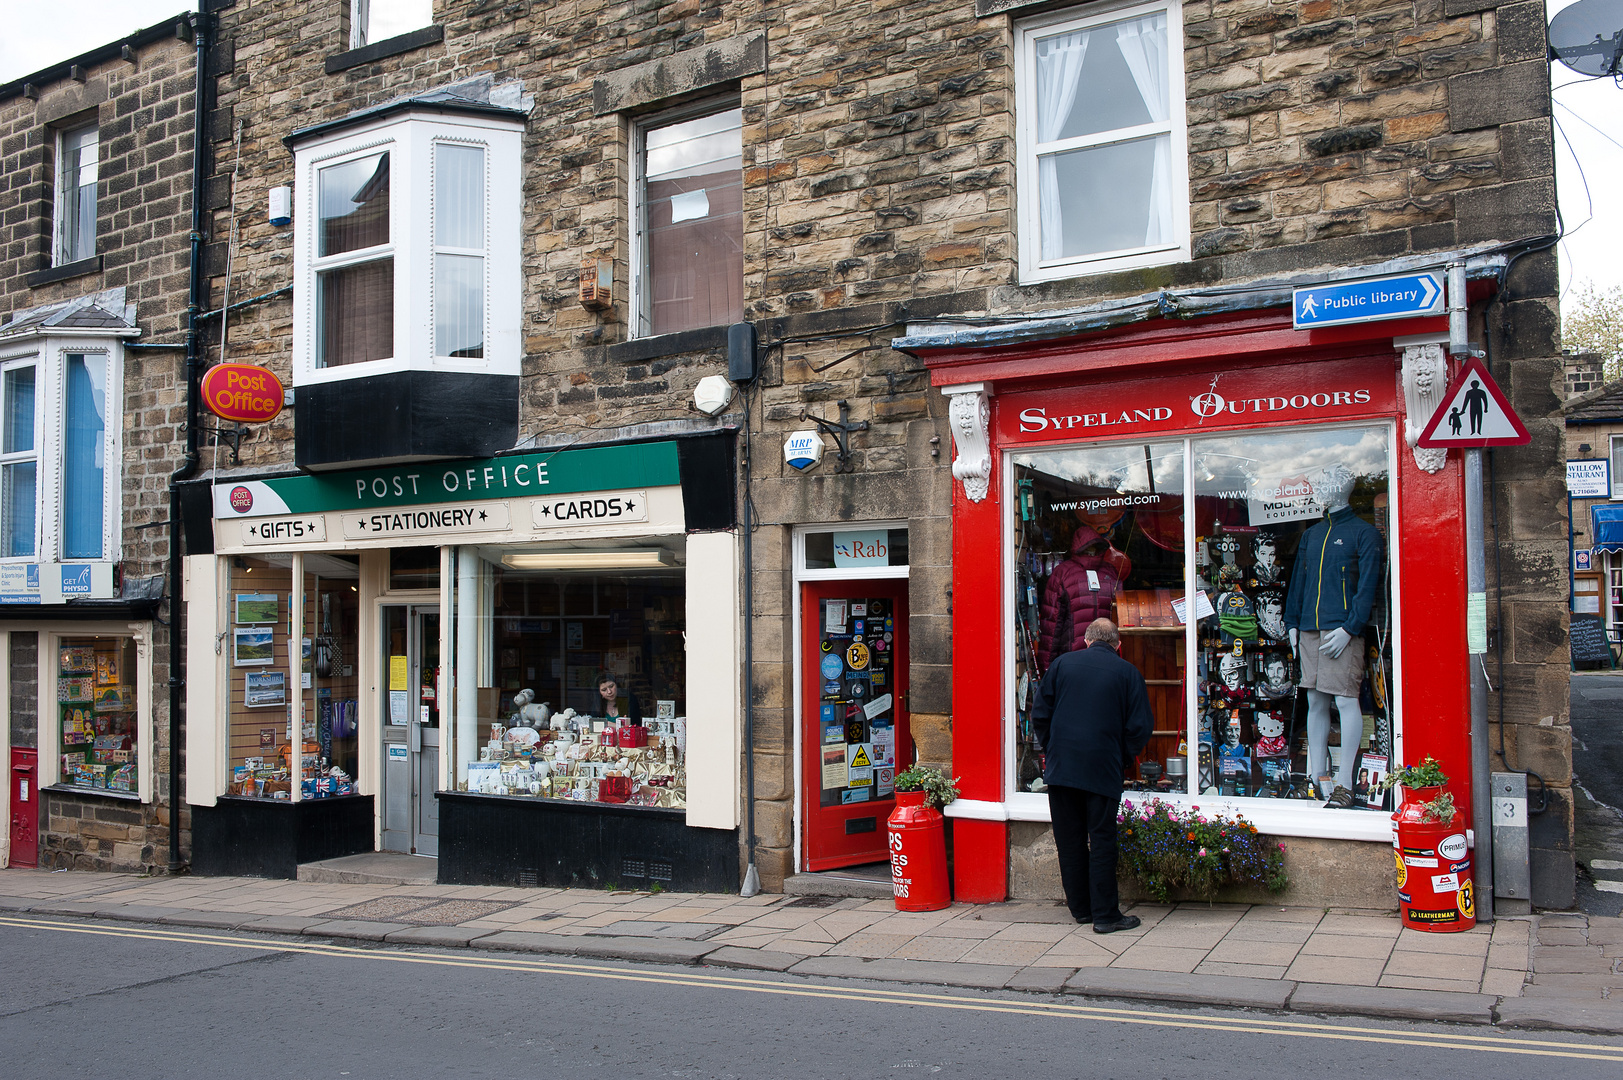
(416, 738)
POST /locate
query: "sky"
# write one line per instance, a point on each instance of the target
(1588, 114)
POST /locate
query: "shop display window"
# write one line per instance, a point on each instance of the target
(1283, 689)
(578, 662)
(97, 711)
(264, 683)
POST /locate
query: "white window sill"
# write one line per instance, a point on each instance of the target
(1274, 816)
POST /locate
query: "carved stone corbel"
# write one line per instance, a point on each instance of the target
(969, 413)
(1425, 378)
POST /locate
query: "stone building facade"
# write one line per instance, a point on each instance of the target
(95, 212)
(881, 170)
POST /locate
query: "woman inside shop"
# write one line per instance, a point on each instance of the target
(609, 687)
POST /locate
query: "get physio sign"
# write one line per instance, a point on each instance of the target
(565, 472)
(243, 393)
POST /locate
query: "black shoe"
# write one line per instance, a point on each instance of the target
(1125, 922)
(1083, 919)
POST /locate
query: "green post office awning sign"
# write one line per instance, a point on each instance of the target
(597, 468)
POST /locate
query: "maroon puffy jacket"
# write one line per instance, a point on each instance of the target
(1069, 605)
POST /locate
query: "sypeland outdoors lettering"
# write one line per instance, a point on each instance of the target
(1323, 390)
(1203, 406)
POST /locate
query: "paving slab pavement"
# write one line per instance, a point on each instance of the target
(1556, 971)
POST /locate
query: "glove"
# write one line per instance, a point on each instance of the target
(1335, 642)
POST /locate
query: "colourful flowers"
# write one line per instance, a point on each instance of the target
(1170, 849)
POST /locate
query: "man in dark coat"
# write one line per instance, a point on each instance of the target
(1092, 717)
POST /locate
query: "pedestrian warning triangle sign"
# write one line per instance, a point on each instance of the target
(1474, 414)
(860, 759)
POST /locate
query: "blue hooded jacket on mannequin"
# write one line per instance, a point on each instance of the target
(1338, 569)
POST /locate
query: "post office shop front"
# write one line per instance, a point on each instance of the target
(441, 638)
(1241, 500)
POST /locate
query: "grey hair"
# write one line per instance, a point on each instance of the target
(1102, 632)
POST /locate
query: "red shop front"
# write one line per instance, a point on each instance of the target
(1258, 473)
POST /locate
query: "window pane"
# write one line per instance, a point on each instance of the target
(1107, 198)
(1098, 533)
(1270, 559)
(96, 681)
(459, 305)
(78, 180)
(459, 197)
(355, 314)
(550, 638)
(84, 494)
(1102, 78)
(385, 19)
(353, 205)
(19, 410)
(17, 503)
(693, 202)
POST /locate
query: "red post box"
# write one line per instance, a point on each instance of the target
(1436, 892)
(918, 854)
(24, 807)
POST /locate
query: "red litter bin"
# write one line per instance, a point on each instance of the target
(918, 854)
(1435, 889)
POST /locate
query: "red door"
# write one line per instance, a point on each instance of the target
(853, 717)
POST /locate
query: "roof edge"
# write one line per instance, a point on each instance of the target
(111, 51)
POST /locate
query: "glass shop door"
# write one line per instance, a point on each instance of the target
(854, 733)
(411, 728)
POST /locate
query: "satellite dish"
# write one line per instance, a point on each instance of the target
(1588, 37)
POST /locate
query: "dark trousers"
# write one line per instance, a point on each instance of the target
(1085, 837)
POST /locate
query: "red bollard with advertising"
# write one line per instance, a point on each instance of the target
(1435, 889)
(918, 854)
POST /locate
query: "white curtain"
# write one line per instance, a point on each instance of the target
(1059, 66)
(1143, 45)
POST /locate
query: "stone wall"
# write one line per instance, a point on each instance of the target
(143, 113)
(879, 189)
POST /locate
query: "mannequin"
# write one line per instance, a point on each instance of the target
(1332, 591)
(1081, 589)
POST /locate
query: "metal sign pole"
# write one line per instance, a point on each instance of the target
(1476, 634)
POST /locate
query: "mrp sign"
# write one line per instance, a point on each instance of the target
(1368, 301)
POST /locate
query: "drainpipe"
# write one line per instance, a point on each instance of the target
(752, 876)
(1476, 621)
(194, 308)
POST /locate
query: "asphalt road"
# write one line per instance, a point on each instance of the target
(1597, 766)
(82, 999)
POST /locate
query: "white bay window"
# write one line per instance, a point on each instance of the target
(59, 450)
(407, 247)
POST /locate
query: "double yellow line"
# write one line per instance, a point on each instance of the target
(1493, 1042)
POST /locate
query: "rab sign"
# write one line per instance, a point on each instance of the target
(242, 392)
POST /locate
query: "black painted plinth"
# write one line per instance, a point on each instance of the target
(404, 416)
(499, 840)
(269, 838)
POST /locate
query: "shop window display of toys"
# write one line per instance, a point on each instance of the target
(97, 713)
(1254, 737)
(565, 755)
